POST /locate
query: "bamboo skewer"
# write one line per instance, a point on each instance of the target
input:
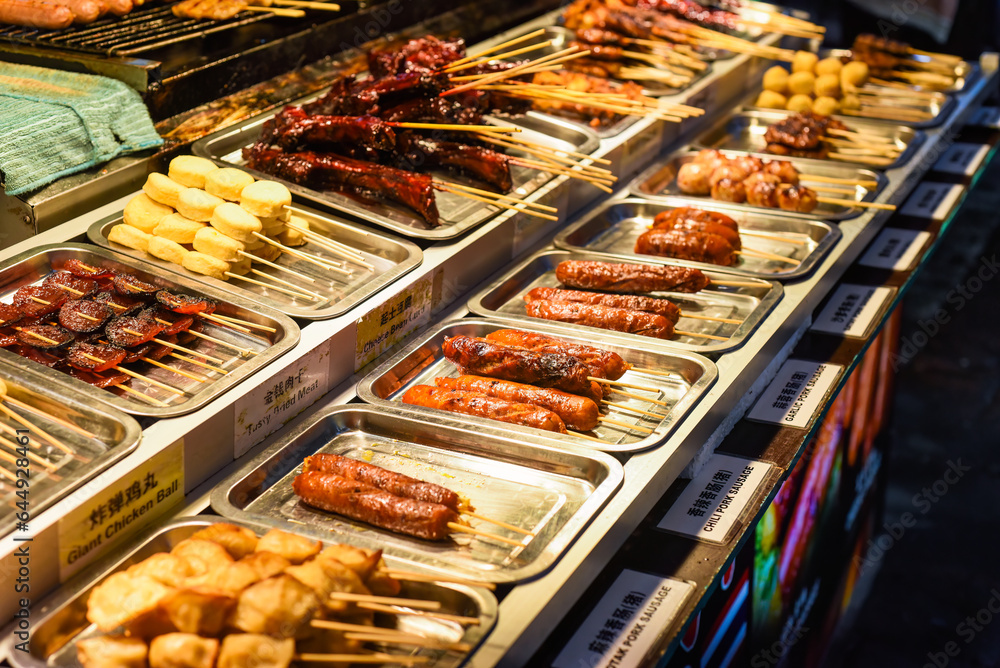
(736, 284)
(605, 381)
(362, 658)
(774, 237)
(174, 345)
(477, 191)
(414, 576)
(639, 396)
(451, 69)
(703, 336)
(863, 205)
(273, 287)
(7, 474)
(305, 4)
(494, 202)
(30, 455)
(867, 160)
(835, 180)
(244, 352)
(302, 256)
(498, 48)
(147, 379)
(405, 639)
(152, 400)
(454, 127)
(461, 528)
(625, 425)
(654, 372)
(58, 420)
(511, 527)
(548, 155)
(200, 364)
(458, 619)
(478, 80)
(232, 325)
(332, 246)
(753, 252)
(254, 258)
(574, 154)
(290, 285)
(173, 370)
(728, 321)
(588, 437)
(277, 11)
(625, 407)
(415, 603)
(31, 427)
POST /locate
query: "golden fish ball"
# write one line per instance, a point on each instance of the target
(143, 212)
(227, 183)
(850, 102)
(828, 66)
(854, 73)
(801, 83)
(800, 103)
(776, 79)
(804, 61)
(769, 99)
(190, 170)
(825, 106)
(828, 85)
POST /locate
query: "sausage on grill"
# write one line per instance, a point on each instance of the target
(84, 11)
(337, 494)
(615, 277)
(687, 245)
(603, 317)
(481, 357)
(664, 307)
(376, 476)
(602, 363)
(35, 14)
(711, 227)
(481, 405)
(665, 218)
(579, 413)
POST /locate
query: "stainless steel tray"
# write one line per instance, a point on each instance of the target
(614, 227)
(552, 492)
(660, 180)
(60, 620)
(115, 435)
(965, 72)
(458, 214)
(421, 361)
(391, 256)
(503, 299)
(32, 266)
(744, 131)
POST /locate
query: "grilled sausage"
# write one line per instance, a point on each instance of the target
(603, 317)
(84, 11)
(482, 357)
(120, 7)
(687, 245)
(337, 494)
(602, 363)
(376, 476)
(579, 413)
(616, 277)
(35, 14)
(481, 405)
(711, 227)
(663, 307)
(665, 218)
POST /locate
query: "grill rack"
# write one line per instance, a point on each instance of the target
(140, 31)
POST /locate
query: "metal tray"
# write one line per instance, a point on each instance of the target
(965, 72)
(33, 265)
(503, 299)
(659, 181)
(61, 619)
(391, 256)
(115, 436)
(458, 214)
(614, 227)
(552, 492)
(420, 362)
(744, 131)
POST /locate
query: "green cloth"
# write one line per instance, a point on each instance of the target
(54, 123)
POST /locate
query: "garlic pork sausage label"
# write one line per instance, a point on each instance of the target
(634, 612)
(962, 158)
(715, 499)
(795, 393)
(851, 310)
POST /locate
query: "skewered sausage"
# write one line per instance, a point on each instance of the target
(687, 245)
(84, 11)
(80, 315)
(35, 14)
(618, 277)
(663, 307)
(602, 363)
(603, 317)
(691, 224)
(337, 494)
(579, 413)
(36, 301)
(665, 218)
(486, 358)
(481, 405)
(376, 476)
(94, 357)
(46, 337)
(78, 287)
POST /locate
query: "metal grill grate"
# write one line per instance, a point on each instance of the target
(140, 31)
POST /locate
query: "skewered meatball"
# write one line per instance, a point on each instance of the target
(797, 198)
(729, 190)
(783, 170)
(693, 179)
(730, 171)
(762, 190)
(748, 162)
(711, 157)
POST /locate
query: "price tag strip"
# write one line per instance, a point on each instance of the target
(268, 407)
(118, 512)
(388, 324)
(932, 200)
(711, 504)
(895, 248)
(636, 610)
(795, 393)
(851, 310)
(962, 158)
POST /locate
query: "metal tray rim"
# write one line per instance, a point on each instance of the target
(614, 477)
(806, 267)
(68, 592)
(414, 258)
(710, 374)
(70, 384)
(739, 337)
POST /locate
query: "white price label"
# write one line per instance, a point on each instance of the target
(386, 325)
(851, 310)
(932, 200)
(710, 505)
(269, 406)
(636, 610)
(962, 158)
(986, 117)
(894, 248)
(795, 393)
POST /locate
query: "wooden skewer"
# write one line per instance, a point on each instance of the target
(290, 285)
(855, 143)
(655, 372)
(301, 295)
(494, 202)
(304, 4)
(833, 179)
(736, 284)
(549, 156)
(20, 404)
(149, 380)
(244, 352)
(331, 221)
(878, 162)
(231, 321)
(197, 334)
(774, 237)
(345, 626)
(498, 48)
(200, 363)
(625, 407)
(299, 254)
(703, 336)
(625, 425)
(511, 527)
(415, 603)
(574, 154)
(277, 11)
(512, 72)
(455, 127)
(863, 205)
(7, 474)
(934, 54)
(31, 455)
(605, 381)
(905, 89)
(332, 247)
(189, 351)
(231, 325)
(152, 400)
(851, 134)
(507, 198)
(7, 458)
(363, 658)
(639, 396)
(31, 427)
(768, 256)
(562, 171)
(173, 370)
(413, 576)
(254, 258)
(451, 69)
(461, 528)
(406, 639)
(728, 321)
(588, 437)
